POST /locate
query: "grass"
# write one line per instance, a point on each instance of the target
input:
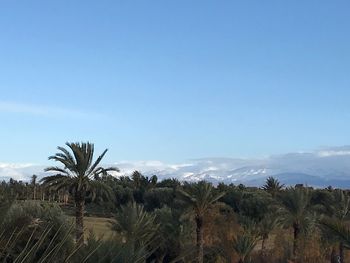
(100, 226)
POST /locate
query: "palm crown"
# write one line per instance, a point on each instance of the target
(272, 186)
(297, 214)
(79, 171)
(200, 197)
(80, 174)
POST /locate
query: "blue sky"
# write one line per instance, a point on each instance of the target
(173, 80)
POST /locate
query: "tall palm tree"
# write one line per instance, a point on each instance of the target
(340, 230)
(200, 197)
(296, 203)
(79, 174)
(272, 186)
(266, 226)
(341, 205)
(338, 210)
(342, 210)
(34, 183)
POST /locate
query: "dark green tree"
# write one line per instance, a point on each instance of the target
(244, 243)
(272, 186)
(34, 185)
(337, 209)
(136, 227)
(296, 202)
(200, 197)
(79, 174)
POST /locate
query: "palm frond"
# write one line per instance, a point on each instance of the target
(57, 169)
(337, 228)
(97, 162)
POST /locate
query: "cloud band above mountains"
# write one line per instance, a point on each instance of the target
(329, 166)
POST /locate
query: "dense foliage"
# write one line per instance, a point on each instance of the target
(171, 221)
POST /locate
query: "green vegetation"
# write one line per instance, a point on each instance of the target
(81, 213)
(200, 197)
(80, 175)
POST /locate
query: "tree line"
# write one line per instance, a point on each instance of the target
(168, 220)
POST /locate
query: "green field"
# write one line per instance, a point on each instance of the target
(100, 226)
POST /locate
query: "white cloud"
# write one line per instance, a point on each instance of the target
(45, 110)
(20, 171)
(179, 166)
(333, 153)
(322, 167)
(15, 165)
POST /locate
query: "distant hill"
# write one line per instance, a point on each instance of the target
(330, 166)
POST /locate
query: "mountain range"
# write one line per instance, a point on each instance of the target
(320, 168)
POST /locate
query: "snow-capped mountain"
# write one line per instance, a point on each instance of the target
(320, 168)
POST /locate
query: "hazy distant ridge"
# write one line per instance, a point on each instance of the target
(330, 166)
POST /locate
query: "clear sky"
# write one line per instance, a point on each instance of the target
(173, 80)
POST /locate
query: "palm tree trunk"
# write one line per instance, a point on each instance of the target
(296, 229)
(334, 256)
(263, 245)
(161, 258)
(341, 252)
(200, 239)
(263, 248)
(65, 199)
(79, 220)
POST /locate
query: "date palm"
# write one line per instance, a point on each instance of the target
(266, 226)
(200, 197)
(134, 225)
(296, 202)
(34, 184)
(80, 174)
(338, 209)
(272, 186)
(244, 244)
(137, 230)
(338, 229)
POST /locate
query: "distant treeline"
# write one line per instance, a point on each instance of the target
(168, 220)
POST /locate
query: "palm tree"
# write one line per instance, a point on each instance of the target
(200, 197)
(341, 205)
(243, 244)
(340, 230)
(266, 226)
(134, 223)
(136, 227)
(272, 186)
(342, 210)
(33, 182)
(338, 209)
(296, 203)
(169, 232)
(79, 174)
